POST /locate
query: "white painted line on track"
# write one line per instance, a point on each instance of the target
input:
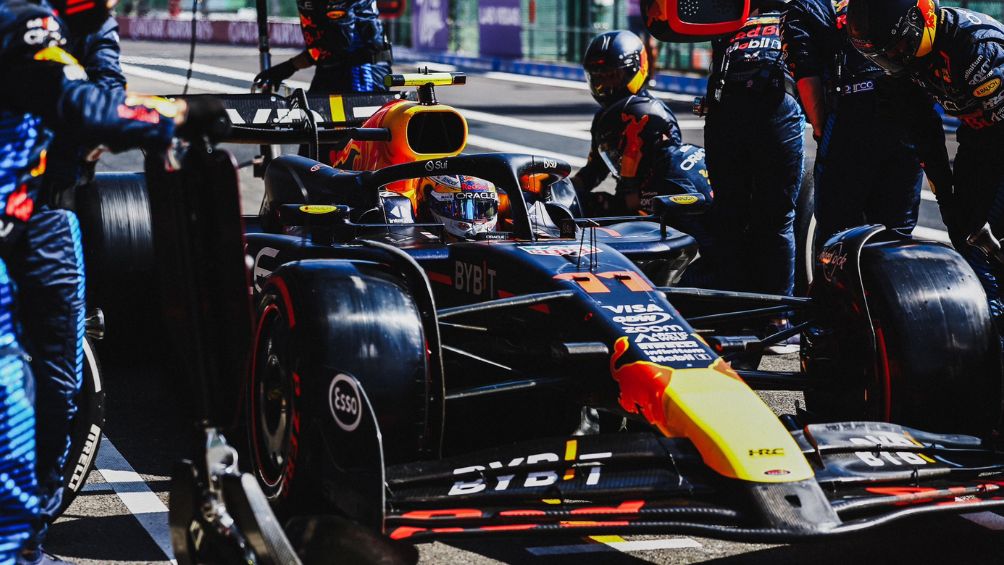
(179, 80)
(207, 69)
(506, 147)
(932, 234)
(623, 546)
(989, 520)
(574, 84)
(136, 495)
(519, 123)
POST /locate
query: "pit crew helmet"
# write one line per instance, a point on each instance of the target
(893, 33)
(83, 17)
(616, 66)
(467, 206)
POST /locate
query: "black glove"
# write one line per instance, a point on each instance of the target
(271, 78)
(205, 117)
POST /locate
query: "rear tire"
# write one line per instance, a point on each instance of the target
(85, 435)
(114, 213)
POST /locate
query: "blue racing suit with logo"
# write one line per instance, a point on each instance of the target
(754, 136)
(964, 73)
(42, 247)
(345, 38)
(47, 265)
(878, 129)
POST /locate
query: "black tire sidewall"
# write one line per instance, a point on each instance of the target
(86, 430)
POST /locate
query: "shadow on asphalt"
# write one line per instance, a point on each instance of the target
(514, 550)
(76, 537)
(934, 539)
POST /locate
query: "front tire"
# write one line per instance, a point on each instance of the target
(318, 320)
(805, 235)
(935, 362)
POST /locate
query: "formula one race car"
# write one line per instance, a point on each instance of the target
(550, 379)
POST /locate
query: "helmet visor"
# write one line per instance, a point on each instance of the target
(470, 207)
(893, 59)
(604, 83)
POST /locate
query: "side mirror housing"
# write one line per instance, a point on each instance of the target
(674, 206)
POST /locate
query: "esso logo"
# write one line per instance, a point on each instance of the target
(345, 402)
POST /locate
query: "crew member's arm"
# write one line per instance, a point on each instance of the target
(800, 37)
(101, 55)
(813, 95)
(592, 174)
(53, 86)
(272, 76)
(927, 131)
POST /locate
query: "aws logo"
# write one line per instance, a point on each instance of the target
(987, 88)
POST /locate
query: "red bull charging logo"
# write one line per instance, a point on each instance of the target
(642, 383)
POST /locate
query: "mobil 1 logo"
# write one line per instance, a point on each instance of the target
(345, 402)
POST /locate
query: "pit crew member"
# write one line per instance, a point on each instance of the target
(631, 132)
(957, 56)
(872, 132)
(345, 40)
(44, 255)
(754, 138)
(98, 53)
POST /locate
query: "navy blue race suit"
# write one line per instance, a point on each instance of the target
(631, 137)
(48, 266)
(99, 54)
(964, 72)
(638, 140)
(754, 137)
(878, 129)
(345, 39)
(53, 91)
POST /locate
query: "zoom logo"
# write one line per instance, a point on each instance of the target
(345, 402)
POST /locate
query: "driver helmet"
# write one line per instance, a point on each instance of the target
(616, 66)
(893, 33)
(467, 206)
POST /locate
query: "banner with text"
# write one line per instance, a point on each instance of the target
(501, 28)
(428, 25)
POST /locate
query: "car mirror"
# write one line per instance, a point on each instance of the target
(670, 207)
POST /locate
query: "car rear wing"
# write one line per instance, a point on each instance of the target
(270, 111)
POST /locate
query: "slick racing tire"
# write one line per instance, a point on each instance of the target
(937, 355)
(85, 433)
(114, 213)
(805, 235)
(317, 321)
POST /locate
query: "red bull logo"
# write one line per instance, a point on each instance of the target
(642, 383)
(927, 10)
(632, 144)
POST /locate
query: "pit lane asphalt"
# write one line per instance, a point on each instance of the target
(148, 424)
